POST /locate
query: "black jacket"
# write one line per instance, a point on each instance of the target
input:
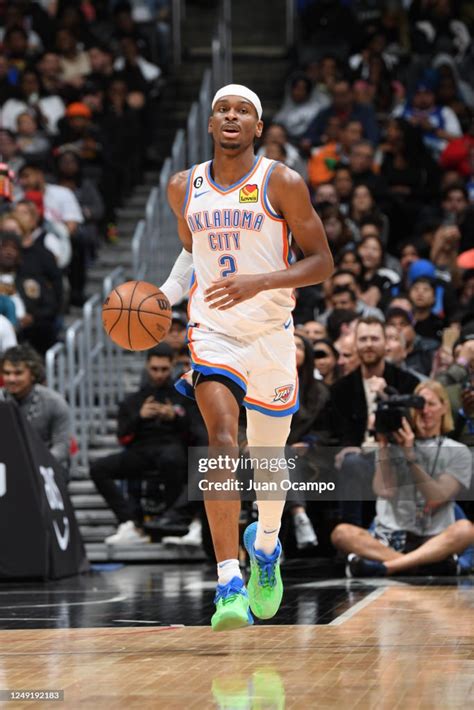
(349, 406)
(134, 431)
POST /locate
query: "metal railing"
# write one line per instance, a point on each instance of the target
(88, 368)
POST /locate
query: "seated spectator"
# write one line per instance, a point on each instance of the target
(52, 235)
(313, 330)
(324, 161)
(456, 210)
(362, 207)
(363, 169)
(416, 481)
(337, 229)
(458, 379)
(32, 144)
(10, 150)
(349, 260)
(348, 357)
(277, 133)
(49, 68)
(38, 283)
(422, 295)
(31, 96)
(341, 322)
(348, 280)
(410, 173)
(74, 61)
(343, 106)
(305, 425)
(177, 333)
(343, 185)
(325, 360)
(78, 131)
(45, 410)
(457, 154)
(396, 351)
(139, 73)
(354, 425)
(376, 280)
(438, 124)
(299, 107)
(420, 351)
(152, 427)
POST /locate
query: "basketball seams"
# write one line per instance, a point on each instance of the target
(129, 314)
(119, 315)
(136, 310)
(145, 328)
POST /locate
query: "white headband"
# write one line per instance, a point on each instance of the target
(239, 90)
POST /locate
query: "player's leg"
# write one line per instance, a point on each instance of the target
(266, 436)
(220, 410)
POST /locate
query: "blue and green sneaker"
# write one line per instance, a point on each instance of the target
(265, 587)
(232, 606)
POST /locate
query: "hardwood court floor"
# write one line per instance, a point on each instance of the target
(400, 646)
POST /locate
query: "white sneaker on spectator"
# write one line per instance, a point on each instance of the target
(304, 531)
(193, 537)
(127, 534)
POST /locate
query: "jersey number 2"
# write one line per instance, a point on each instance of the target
(228, 262)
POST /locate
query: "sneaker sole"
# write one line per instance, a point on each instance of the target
(230, 621)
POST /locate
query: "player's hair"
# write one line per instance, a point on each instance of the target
(27, 355)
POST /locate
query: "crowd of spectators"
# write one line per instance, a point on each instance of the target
(378, 117)
(79, 95)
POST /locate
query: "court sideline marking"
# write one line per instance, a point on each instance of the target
(345, 616)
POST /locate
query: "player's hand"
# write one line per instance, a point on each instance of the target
(227, 292)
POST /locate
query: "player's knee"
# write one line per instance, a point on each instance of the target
(222, 437)
(342, 534)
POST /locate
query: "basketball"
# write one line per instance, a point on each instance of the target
(136, 315)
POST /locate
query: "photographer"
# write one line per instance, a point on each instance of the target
(419, 473)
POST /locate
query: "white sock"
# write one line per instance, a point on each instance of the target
(269, 523)
(226, 570)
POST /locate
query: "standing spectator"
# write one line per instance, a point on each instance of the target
(45, 410)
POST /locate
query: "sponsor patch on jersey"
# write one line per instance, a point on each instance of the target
(248, 193)
(283, 394)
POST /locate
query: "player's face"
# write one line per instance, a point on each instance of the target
(234, 123)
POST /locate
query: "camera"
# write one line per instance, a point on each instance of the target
(390, 411)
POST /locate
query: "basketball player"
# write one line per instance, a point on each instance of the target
(235, 214)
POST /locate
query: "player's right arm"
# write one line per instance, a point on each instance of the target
(177, 283)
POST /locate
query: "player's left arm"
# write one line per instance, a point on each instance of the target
(289, 196)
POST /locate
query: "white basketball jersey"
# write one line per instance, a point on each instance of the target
(236, 231)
